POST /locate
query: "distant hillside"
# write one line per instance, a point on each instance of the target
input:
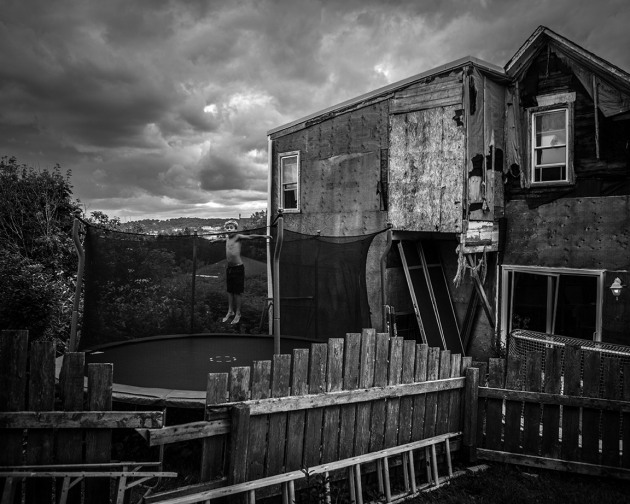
(184, 225)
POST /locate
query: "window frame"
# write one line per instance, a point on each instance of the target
(506, 294)
(547, 104)
(281, 184)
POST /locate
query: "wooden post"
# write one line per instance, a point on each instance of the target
(471, 397)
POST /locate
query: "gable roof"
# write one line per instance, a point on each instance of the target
(490, 68)
(591, 62)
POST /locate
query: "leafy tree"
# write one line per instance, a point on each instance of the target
(37, 257)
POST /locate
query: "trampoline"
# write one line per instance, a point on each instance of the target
(172, 370)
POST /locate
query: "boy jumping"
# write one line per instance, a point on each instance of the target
(235, 270)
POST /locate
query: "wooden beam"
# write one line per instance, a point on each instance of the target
(81, 420)
(311, 401)
(482, 293)
(555, 399)
(185, 432)
(553, 464)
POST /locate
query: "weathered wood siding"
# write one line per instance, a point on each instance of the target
(570, 233)
(340, 169)
(426, 159)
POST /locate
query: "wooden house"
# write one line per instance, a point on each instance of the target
(507, 191)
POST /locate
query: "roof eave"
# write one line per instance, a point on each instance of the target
(485, 66)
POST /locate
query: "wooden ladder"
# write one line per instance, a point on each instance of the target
(353, 464)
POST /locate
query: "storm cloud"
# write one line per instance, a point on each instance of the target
(161, 108)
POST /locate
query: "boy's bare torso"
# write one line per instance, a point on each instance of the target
(233, 250)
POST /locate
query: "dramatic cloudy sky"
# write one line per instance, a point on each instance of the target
(161, 108)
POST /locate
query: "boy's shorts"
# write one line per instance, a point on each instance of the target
(235, 278)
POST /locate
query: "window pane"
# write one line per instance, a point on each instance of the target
(289, 169)
(577, 306)
(550, 174)
(290, 196)
(529, 307)
(551, 129)
(555, 155)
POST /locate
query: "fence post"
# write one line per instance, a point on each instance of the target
(471, 397)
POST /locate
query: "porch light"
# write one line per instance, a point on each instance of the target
(616, 287)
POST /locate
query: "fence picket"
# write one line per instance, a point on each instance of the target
(41, 397)
(213, 448)
(280, 384)
(69, 441)
(610, 419)
(431, 408)
(317, 385)
(98, 441)
(406, 403)
(591, 417)
(352, 348)
(377, 421)
(334, 381)
(394, 376)
(444, 396)
(625, 396)
(296, 419)
(366, 380)
(550, 445)
(571, 415)
(494, 407)
(258, 425)
(513, 409)
(453, 419)
(419, 401)
(532, 412)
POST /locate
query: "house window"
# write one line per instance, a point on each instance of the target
(559, 301)
(551, 134)
(290, 181)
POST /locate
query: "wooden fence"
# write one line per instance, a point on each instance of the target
(54, 441)
(572, 414)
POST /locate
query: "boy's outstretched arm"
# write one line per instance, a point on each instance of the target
(254, 236)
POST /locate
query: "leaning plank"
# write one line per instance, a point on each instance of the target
(41, 397)
(550, 445)
(186, 432)
(554, 464)
(570, 414)
(295, 422)
(366, 380)
(82, 420)
(352, 354)
(591, 416)
(334, 383)
(610, 420)
(98, 441)
(532, 411)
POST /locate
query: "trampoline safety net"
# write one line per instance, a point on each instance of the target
(139, 286)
